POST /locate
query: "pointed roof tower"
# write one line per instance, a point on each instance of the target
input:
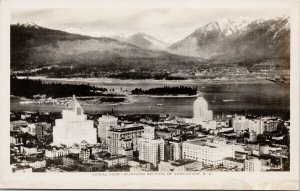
(75, 106)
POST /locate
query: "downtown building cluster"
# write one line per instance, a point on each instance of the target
(201, 143)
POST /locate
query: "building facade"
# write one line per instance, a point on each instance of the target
(123, 140)
(253, 165)
(201, 111)
(85, 153)
(117, 160)
(210, 153)
(56, 152)
(150, 149)
(175, 150)
(74, 126)
(104, 124)
(230, 162)
(240, 123)
(257, 126)
(180, 166)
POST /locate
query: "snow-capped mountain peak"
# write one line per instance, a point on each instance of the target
(142, 40)
(29, 25)
(237, 37)
(227, 26)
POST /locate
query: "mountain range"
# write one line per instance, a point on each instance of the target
(33, 46)
(225, 41)
(142, 40)
(240, 38)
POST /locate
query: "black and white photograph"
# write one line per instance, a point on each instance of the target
(139, 90)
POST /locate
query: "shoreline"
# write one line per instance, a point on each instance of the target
(24, 101)
(107, 81)
(169, 96)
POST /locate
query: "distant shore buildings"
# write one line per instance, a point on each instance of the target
(74, 126)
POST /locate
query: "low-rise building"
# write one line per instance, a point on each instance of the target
(41, 129)
(252, 136)
(133, 163)
(32, 129)
(34, 163)
(71, 160)
(15, 138)
(116, 160)
(240, 123)
(253, 165)
(210, 152)
(21, 169)
(180, 165)
(92, 166)
(208, 125)
(56, 152)
(142, 166)
(230, 162)
(15, 125)
(257, 126)
(26, 150)
(85, 153)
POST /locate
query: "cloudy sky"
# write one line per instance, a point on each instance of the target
(168, 25)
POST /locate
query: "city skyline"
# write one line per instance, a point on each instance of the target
(231, 143)
(161, 91)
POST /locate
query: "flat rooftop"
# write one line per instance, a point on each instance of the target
(126, 128)
(201, 142)
(234, 159)
(183, 162)
(197, 142)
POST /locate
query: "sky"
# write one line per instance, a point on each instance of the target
(168, 25)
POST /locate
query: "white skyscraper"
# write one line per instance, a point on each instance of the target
(74, 126)
(201, 111)
(105, 123)
(150, 149)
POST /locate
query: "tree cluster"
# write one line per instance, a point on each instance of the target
(28, 88)
(180, 90)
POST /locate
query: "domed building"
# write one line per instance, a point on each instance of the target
(201, 111)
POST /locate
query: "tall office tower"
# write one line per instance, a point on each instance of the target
(123, 140)
(150, 149)
(175, 150)
(74, 126)
(257, 126)
(201, 111)
(105, 123)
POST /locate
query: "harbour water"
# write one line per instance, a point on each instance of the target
(261, 98)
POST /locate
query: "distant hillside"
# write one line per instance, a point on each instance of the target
(33, 46)
(239, 39)
(143, 40)
(225, 47)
